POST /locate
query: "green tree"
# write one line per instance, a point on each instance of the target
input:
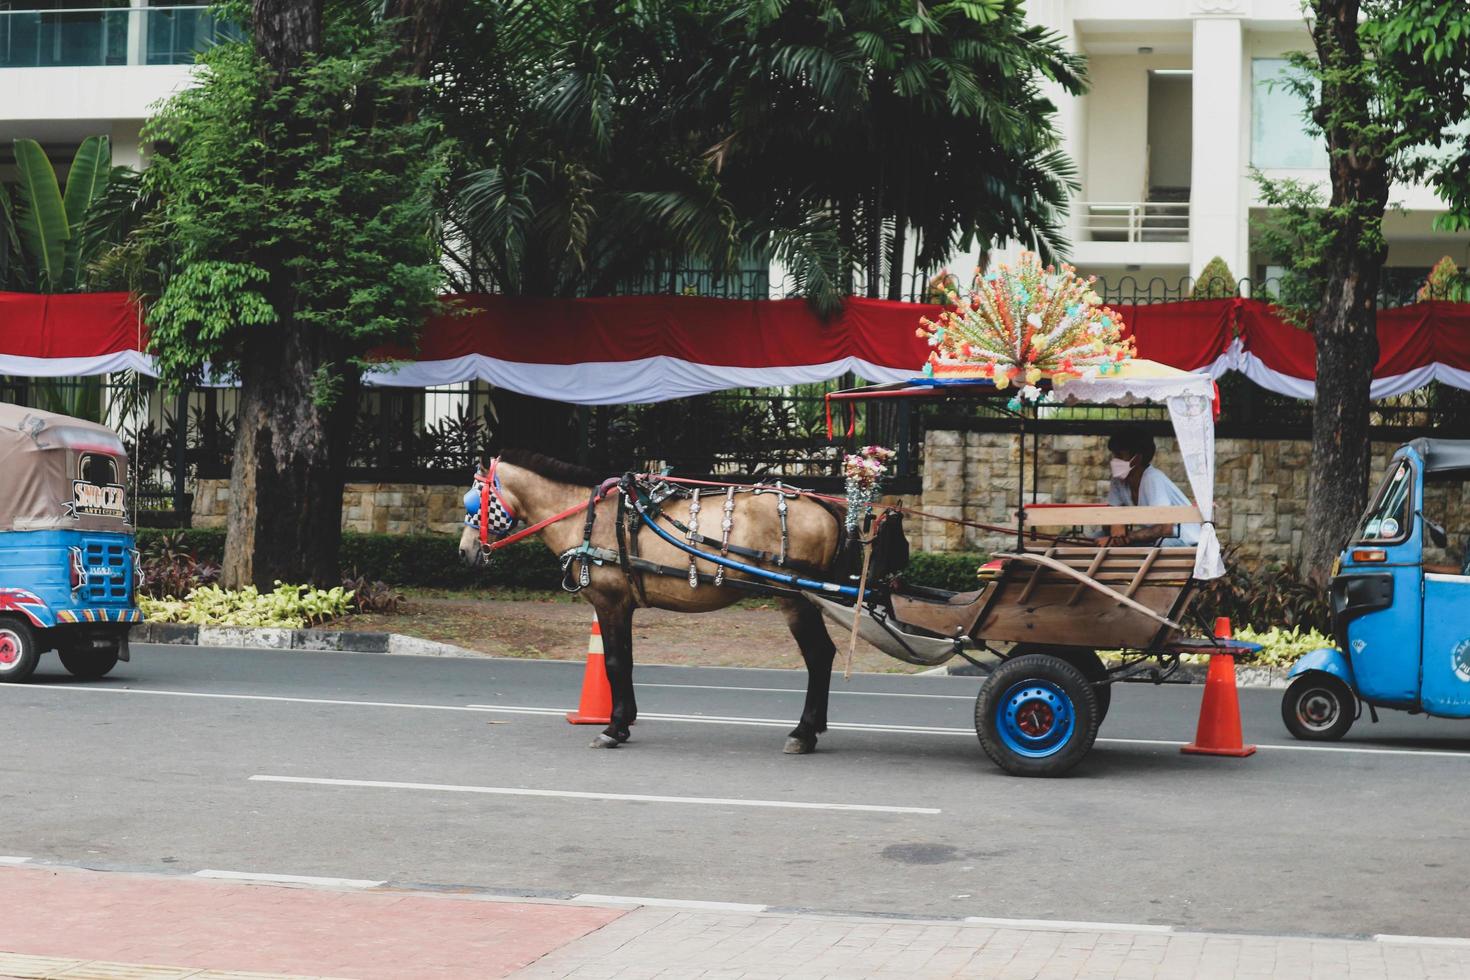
(49, 236)
(820, 132)
(1388, 96)
(294, 232)
(1215, 282)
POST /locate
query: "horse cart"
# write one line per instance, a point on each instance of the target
(1040, 616)
(1044, 609)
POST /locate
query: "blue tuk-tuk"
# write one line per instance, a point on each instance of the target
(1400, 595)
(67, 558)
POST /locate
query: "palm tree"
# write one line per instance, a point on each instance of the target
(820, 132)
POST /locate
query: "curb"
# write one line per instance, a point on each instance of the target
(1265, 677)
(326, 641)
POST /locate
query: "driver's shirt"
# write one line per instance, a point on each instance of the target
(1156, 490)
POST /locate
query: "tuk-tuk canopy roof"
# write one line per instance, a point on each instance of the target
(1443, 455)
(58, 472)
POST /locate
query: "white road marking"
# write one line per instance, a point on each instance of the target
(670, 903)
(580, 795)
(8, 859)
(802, 690)
(289, 879)
(1065, 924)
(691, 719)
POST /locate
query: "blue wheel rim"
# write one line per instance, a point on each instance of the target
(1035, 718)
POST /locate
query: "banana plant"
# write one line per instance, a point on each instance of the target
(47, 233)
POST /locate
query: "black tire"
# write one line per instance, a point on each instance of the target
(18, 651)
(1319, 707)
(1086, 661)
(1036, 715)
(88, 664)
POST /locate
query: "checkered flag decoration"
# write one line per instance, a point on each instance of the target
(500, 521)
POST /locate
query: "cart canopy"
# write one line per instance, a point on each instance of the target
(1190, 399)
(59, 473)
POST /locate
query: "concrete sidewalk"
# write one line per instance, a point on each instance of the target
(88, 925)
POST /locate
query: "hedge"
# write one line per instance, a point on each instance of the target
(424, 560)
(432, 560)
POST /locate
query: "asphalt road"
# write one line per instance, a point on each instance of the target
(153, 769)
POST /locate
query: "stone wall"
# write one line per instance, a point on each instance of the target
(384, 508)
(1260, 488)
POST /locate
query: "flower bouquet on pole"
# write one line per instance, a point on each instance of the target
(1024, 324)
(863, 471)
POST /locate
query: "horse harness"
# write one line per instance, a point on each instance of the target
(640, 502)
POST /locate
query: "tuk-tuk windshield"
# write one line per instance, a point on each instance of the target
(1388, 518)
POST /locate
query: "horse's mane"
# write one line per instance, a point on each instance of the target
(552, 469)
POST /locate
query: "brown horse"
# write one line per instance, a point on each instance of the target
(532, 488)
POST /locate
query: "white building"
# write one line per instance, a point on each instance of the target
(1181, 107)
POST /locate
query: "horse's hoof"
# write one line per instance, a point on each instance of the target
(800, 746)
(604, 742)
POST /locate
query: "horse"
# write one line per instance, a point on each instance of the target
(531, 488)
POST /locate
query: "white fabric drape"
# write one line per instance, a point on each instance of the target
(1190, 399)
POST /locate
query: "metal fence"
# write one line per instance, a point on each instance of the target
(437, 435)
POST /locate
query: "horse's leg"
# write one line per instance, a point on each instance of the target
(616, 622)
(817, 649)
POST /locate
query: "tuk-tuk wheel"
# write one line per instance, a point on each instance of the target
(88, 664)
(1318, 707)
(1036, 715)
(18, 651)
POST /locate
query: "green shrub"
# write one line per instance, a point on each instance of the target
(288, 607)
(1280, 647)
(406, 560)
(952, 570)
(1265, 595)
(1215, 282)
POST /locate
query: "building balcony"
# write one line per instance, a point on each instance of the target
(1130, 233)
(94, 37)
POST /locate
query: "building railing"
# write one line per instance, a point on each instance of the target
(80, 37)
(1132, 221)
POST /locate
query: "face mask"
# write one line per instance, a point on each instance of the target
(1121, 468)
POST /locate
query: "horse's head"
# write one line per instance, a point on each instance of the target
(490, 514)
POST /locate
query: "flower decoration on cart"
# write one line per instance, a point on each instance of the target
(1023, 324)
(864, 473)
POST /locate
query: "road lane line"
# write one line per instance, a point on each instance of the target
(580, 795)
(288, 879)
(802, 690)
(9, 859)
(692, 719)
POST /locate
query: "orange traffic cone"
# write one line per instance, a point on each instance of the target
(596, 704)
(1219, 712)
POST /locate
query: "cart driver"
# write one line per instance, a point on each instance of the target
(1136, 482)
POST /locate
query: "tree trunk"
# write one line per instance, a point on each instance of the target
(1346, 322)
(290, 463)
(285, 31)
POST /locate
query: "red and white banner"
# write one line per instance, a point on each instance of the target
(653, 348)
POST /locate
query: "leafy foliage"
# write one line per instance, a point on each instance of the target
(598, 136)
(298, 201)
(1215, 282)
(286, 607)
(370, 595)
(1266, 595)
(171, 568)
(1445, 282)
(1294, 232)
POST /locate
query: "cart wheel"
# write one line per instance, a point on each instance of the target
(1086, 661)
(18, 652)
(1036, 715)
(88, 664)
(1318, 707)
